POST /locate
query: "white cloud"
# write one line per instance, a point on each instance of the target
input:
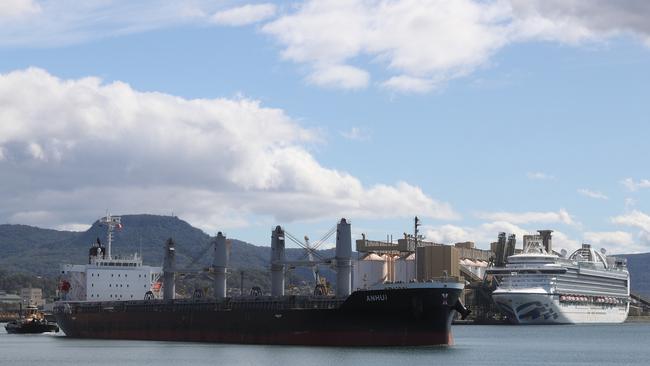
(425, 43)
(539, 176)
(486, 233)
(356, 134)
(561, 216)
(409, 84)
(413, 45)
(54, 23)
(635, 218)
(573, 21)
(592, 194)
(614, 241)
(420, 40)
(17, 9)
(339, 76)
(633, 185)
(244, 15)
(639, 220)
(73, 148)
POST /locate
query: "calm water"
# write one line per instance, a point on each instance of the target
(626, 344)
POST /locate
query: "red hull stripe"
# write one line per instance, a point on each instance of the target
(296, 338)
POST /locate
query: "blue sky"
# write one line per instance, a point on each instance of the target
(478, 116)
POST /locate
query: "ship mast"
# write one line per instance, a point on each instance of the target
(111, 222)
(416, 237)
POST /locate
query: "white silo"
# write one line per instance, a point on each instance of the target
(405, 268)
(369, 271)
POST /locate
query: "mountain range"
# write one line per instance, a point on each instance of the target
(34, 254)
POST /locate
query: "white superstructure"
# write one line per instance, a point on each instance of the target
(538, 287)
(107, 277)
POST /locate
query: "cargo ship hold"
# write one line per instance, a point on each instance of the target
(387, 314)
(540, 286)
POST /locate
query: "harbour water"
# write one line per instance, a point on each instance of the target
(620, 344)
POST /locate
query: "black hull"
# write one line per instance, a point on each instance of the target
(395, 317)
(30, 328)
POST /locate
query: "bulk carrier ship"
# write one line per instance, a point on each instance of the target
(387, 314)
(540, 286)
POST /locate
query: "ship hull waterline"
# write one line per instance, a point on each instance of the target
(367, 318)
(543, 309)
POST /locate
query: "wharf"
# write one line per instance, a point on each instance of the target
(8, 316)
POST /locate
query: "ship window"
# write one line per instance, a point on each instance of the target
(127, 285)
(112, 275)
(111, 295)
(63, 272)
(119, 275)
(109, 285)
(92, 285)
(126, 275)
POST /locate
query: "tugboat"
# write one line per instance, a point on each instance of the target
(32, 323)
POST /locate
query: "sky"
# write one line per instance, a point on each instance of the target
(477, 116)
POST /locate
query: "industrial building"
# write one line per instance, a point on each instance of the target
(9, 301)
(32, 296)
(385, 261)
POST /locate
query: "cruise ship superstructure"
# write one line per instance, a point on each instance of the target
(109, 278)
(540, 286)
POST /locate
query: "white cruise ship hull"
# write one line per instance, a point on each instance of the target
(539, 307)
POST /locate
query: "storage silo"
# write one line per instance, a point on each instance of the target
(405, 268)
(369, 271)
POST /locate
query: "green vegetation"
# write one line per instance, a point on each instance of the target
(34, 255)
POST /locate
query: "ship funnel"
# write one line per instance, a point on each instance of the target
(500, 255)
(220, 265)
(546, 240)
(510, 245)
(277, 262)
(343, 259)
(169, 266)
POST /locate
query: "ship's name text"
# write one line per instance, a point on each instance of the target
(373, 298)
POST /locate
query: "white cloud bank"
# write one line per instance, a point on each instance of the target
(424, 43)
(486, 233)
(639, 220)
(633, 185)
(244, 15)
(592, 194)
(17, 9)
(413, 46)
(620, 242)
(551, 217)
(539, 176)
(73, 148)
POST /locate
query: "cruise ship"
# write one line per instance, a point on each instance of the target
(107, 277)
(540, 286)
